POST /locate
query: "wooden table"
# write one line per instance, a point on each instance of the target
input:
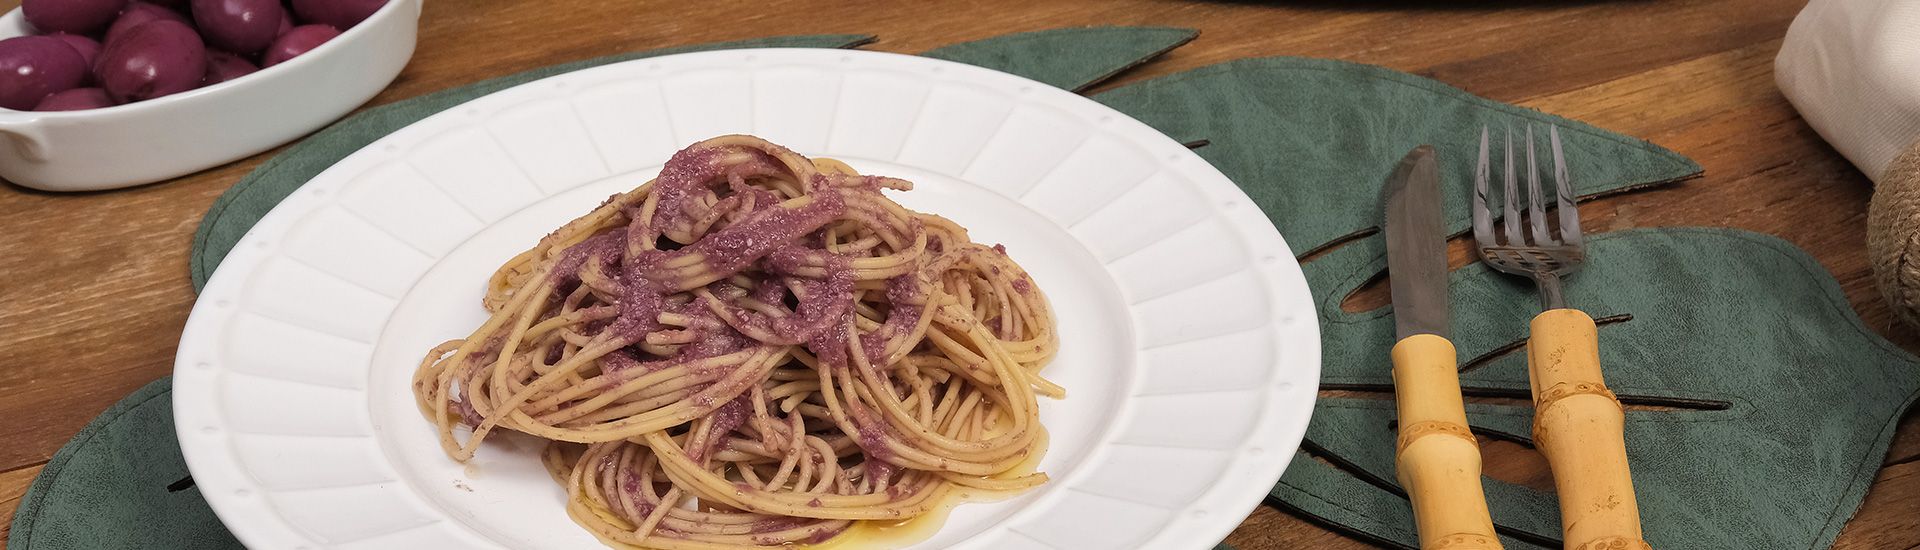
(94, 290)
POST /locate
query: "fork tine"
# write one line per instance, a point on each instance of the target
(1569, 211)
(1482, 218)
(1536, 211)
(1511, 214)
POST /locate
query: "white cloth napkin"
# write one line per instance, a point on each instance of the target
(1852, 68)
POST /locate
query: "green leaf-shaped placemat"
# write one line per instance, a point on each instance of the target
(1780, 403)
(1308, 139)
(120, 483)
(1071, 59)
(1785, 403)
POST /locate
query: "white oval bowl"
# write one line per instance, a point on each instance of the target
(191, 131)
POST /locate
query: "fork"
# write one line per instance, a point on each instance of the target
(1578, 424)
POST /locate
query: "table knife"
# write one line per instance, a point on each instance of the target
(1436, 457)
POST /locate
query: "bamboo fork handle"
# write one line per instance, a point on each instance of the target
(1437, 459)
(1579, 426)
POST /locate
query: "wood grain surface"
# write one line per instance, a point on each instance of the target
(94, 291)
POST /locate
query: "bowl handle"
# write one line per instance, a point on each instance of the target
(24, 133)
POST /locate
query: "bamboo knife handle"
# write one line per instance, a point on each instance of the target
(1437, 459)
(1579, 426)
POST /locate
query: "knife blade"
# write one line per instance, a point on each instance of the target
(1436, 457)
(1416, 245)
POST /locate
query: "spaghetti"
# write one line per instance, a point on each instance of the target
(755, 349)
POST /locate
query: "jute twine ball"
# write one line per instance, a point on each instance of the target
(1893, 235)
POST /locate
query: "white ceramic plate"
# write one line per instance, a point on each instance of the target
(1189, 347)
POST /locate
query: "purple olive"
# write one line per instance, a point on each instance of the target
(342, 14)
(297, 41)
(72, 16)
(88, 49)
(77, 99)
(137, 14)
(33, 67)
(240, 26)
(223, 66)
(152, 60)
(286, 23)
